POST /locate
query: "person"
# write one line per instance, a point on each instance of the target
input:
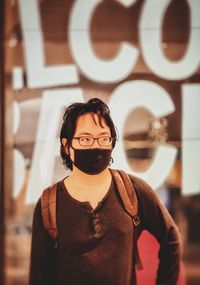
(95, 244)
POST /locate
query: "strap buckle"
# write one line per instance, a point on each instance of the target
(136, 220)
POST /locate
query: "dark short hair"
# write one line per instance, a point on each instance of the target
(72, 113)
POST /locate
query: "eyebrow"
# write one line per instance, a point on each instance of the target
(89, 134)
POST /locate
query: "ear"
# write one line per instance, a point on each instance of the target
(64, 143)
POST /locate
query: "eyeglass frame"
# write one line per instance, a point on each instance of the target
(94, 139)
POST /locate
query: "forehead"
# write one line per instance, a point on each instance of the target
(89, 123)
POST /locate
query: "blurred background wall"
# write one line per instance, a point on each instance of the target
(2, 140)
(142, 58)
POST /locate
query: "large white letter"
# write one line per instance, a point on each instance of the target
(191, 138)
(129, 96)
(47, 144)
(37, 74)
(96, 69)
(126, 3)
(151, 41)
(19, 164)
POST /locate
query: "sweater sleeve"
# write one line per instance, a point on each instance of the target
(156, 219)
(42, 260)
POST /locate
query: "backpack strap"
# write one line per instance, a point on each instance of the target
(129, 198)
(48, 208)
(127, 194)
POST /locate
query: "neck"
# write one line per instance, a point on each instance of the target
(86, 180)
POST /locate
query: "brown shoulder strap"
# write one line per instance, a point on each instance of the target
(129, 198)
(127, 193)
(48, 207)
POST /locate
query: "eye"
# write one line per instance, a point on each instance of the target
(86, 140)
(105, 140)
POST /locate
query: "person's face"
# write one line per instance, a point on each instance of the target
(88, 125)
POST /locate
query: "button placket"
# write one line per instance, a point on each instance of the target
(96, 225)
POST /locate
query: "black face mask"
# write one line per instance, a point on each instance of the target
(92, 161)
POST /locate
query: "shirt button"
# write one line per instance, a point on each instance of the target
(97, 228)
(95, 222)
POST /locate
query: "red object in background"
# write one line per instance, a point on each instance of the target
(148, 249)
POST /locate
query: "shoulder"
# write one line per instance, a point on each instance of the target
(142, 188)
(44, 194)
(50, 191)
(151, 208)
(148, 199)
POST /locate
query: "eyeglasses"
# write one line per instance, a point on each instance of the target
(89, 141)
